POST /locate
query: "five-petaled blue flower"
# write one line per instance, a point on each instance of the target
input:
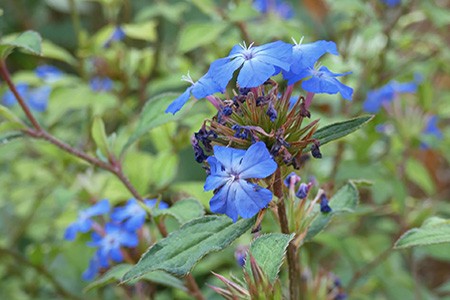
(304, 56)
(324, 81)
(84, 222)
(110, 243)
(133, 215)
(386, 94)
(231, 170)
(256, 64)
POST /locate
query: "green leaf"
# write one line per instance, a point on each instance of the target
(195, 35)
(182, 249)
(243, 11)
(54, 51)
(183, 211)
(8, 115)
(28, 41)
(153, 114)
(115, 274)
(268, 251)
(345, 200)
(337, 130)
(143, 31)
(417, 173)
(99, 136)
(433, 231)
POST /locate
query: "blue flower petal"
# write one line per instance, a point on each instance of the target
(254, 73)
(92, 270)
(324, 81)
(135, 222)
(306, 55)
(178, 103)
(228, 157)
(256, 163)
(71, 232)
(223, 202)
(8, 97)
(38, 98)
(217, 177)
(101, 207)
(251, 198)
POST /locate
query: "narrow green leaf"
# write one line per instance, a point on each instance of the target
(143, 31)
(28, 41)
(199, 34)
(182, 249)
(153, 114)
(99, 136)
(417, 173)
(8, 115)
(337, 130)
(115, 274)
(51, 50)
(268, 251)
(345, 200)
(183, 211)
(433, 231)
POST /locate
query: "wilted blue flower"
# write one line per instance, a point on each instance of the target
(240, 254)
(101, 84)
(133, 214)
(109, 244)
(48, 73)
(324, 207)
(304, 56)
(391, 3)
(36, 98)
(117, 35)
(230, 170)
(281, 8)
(386, 94)
(324, 81)
(204, 87)
(257, 64)
(303, 191)
(84, 222)
(291, 177)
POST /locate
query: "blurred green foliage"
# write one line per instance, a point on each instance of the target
(42, 188)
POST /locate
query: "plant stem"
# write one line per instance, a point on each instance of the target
(42, 271)
(292, 254)
(113, 166)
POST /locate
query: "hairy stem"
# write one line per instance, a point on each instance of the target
(292, 254)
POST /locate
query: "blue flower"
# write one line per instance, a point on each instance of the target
(48, 73)
(101, 84)
(230, 170)
(204, 87)
(36, 98)
(304, 56)
(133, 214)
(324, 81)
(303, 191)
(92, 270)
(117, 35)
(432, 129)
(324, 207)
(84, 222)
(386, 94)
(256, 64)
(8, 97)
(391, 3)
(109, 245)
(283, 9)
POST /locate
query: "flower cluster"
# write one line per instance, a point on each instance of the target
(260, 128)
(122, 230)
(36, 97)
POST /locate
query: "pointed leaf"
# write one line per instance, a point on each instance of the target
(199, 34)
(433, 231)
(183, 211)
(28, 41)
(337, 130)
(345, 200)
(268, 251)
(153, 114)
(99, 136)
(115, 274)
(181, 250)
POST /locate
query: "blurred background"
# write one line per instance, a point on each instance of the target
(116, 57)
